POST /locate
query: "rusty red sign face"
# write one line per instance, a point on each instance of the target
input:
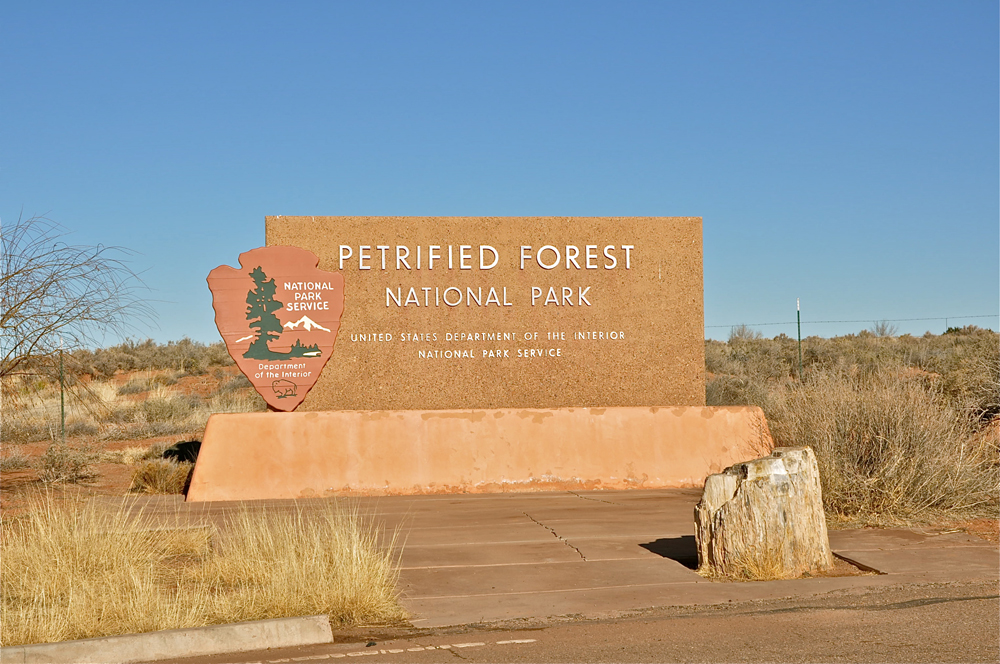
(279, 315)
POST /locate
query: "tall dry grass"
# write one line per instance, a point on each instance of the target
(274, 565)
(72, 573)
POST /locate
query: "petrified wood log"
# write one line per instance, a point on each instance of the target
(763, 519)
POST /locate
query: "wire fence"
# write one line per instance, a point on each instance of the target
(864, 320)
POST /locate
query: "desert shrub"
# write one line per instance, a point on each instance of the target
(161, 477)
(167, 408)
(14, 460)
(17, 430)
(74, 573)
(745, 370)
(67, 464)
(890, 447)
(135, 385)
(79, 428)
(185, 356)
(235, 383)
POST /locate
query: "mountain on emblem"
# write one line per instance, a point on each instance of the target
(308, 323)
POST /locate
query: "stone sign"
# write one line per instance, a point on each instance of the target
(502, 312)
(279, 316)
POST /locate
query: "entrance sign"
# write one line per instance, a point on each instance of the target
(516, 312)
(279, 316)
(473, 355)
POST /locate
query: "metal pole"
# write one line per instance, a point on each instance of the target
(798, 321)
(62, 395)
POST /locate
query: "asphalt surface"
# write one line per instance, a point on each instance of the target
(943, 622)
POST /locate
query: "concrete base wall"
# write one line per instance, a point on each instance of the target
(308, 454)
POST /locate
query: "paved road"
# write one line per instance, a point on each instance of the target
(940, 622)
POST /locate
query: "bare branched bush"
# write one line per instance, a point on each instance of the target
(884, 329)
(54, 294)
(67, 464)
(744, 333)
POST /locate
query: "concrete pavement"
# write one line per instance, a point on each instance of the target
(489, 558)
(469, 558)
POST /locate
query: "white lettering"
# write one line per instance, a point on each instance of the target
(483, 248)
(538, 257)
(402, 253)
(609, 253)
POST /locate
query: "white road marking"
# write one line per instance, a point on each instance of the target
(393, 651)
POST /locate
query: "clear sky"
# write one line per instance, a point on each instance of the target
(845, 153)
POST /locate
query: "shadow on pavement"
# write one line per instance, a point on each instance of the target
(680, 549)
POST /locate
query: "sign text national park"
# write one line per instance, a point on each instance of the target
(500, 312)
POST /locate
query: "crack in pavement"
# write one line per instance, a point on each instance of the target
(596, 500)
(556, 535)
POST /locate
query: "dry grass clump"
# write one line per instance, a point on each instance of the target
(161, 476)
(274, 565)
(73, 573)
(763, 563)
(133, 454)
(890, 447)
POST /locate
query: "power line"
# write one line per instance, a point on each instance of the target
(865, 320)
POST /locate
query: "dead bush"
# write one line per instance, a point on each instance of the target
(161, 477)
(67, 464)
(890, 447)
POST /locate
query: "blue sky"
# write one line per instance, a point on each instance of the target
(845, 153)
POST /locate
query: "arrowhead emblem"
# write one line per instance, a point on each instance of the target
(279, 315)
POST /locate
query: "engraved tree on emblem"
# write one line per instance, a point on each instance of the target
(260, 313)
